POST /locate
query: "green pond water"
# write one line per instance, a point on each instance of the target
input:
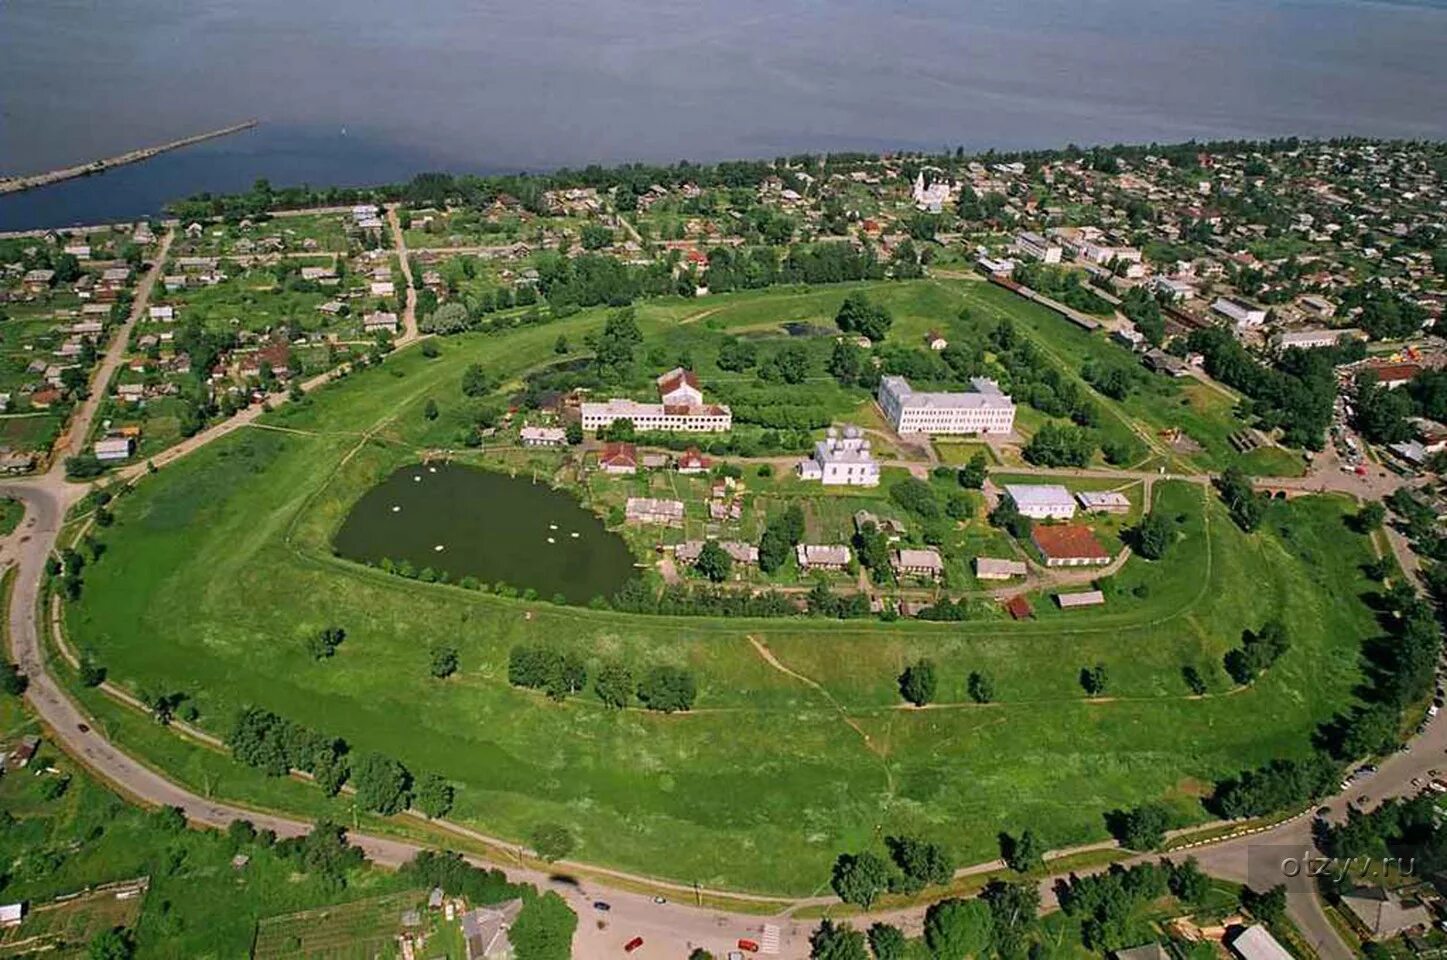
(491, 526)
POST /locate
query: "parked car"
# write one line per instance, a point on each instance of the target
(633, 944)
(748, 945)
(602, 906)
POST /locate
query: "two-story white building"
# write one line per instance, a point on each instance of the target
(681, 409)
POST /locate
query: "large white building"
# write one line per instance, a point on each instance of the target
(1242, 313)
(1042, 501)
(841, 461)
(983, 410)
(681, 409)
(1037, 247)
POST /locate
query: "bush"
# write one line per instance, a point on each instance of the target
(667, 689)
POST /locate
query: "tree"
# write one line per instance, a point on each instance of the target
(544, 928)
(857, 314)
(859, 878)
(325, 641)
(1140, 828)
(451, 317)
(837, 941)
(1094, 679)
(1268, 906)
(920, 863)
(551, 841)
(973, 473)
(1153, 536)
(614, 685)
(846, 361)
(429, 409)
(434, 795)
(958, 928)
(1013, 907)
(443, 661)
(12, 681)
(595, 236)
(1241, 499)
(1188, 883)
(714, 562)
(1371, 516)
(383, 784)
(1258, 651)
(170, 819)
(1059, 445)
(475, 381)
(887, 942)
(667, 689)
(112, 944)
(1023, 853)
(982, 689)
(917, 683)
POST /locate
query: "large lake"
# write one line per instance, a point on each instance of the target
(363, 92)
(491, 526)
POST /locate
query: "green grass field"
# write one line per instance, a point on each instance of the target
(218, 567)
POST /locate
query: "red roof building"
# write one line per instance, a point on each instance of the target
(1069, 545)
(1018, 607)
(618, 458)
(692, 461)
(1395, 374)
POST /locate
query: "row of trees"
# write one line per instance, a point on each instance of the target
(913, 865)
(277, 746)
(665, 688)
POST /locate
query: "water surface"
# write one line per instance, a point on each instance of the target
(491, 526)
(488, 85)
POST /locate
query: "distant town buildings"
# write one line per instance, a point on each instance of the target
(983, 410)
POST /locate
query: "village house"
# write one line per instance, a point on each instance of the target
(1314, 338)
(815, 556)
(485, 929)
(12, 914)
(745, 553)
(892, 529)
(841, 460)
(164, 313)
(917, 562)
(1042, 501)
(1036, 247)
(618, 458)
(110, 449)
(1257, 943)
(653, 510)
(543, 436)
(691, 461)
(994, 568)
(37, 281)
(936, 341)
(1069, 545)
(1383, 913)
(380, 320)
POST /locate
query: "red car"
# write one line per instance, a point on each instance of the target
(633, 944)
(749, 945)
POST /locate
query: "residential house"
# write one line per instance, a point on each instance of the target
(11, 914)
(1036, 247)
(110, 449)
(745, 553)
(653, 510)
(543, 436)
(892, 529)
(1383, 913)
(618, 458)
(1148, 951)
(993, 568)
(1069, 545)
(1018, 607)
(485, 929)
(1257, 943)
(37, 281)
(926, 562)
(164, 313)
(679, 386)
(936, 340)
(1042, 501)
(380, 320)
(692, 461)
(816, 556)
